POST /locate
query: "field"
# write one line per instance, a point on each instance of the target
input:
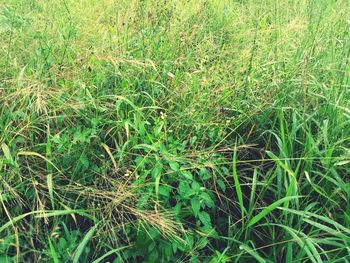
(175, 131)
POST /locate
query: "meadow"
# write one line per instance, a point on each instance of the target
(175, 131)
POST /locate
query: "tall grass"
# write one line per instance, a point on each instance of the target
(174, 131)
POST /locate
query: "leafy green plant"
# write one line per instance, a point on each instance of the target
(174, 131)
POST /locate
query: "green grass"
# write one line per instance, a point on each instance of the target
(175, 131)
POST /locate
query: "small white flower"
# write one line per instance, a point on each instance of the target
(162, 115)
(128, 173)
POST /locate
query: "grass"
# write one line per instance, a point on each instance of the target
(174, 131)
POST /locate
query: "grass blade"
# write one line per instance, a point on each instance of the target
(269, 209)
(252, 252)
(50, 187)
(53, 251)
(237, 184)
(26, 153)
(109, 253)
(80, 249)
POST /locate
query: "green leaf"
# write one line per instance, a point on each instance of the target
(174, 166)
(113, 251)
(205, 218)
(237, 183)
(7, 152)
(195, 186)
(204, 174)
(281, 164)
(328, 229)
(196, 205)
(325, 219)
(184, 189)
(340, 163)
(80, 249)
(84, 161)
(53, 251)
(5, 258)
(207, 199)
(209, 231)
(156, 174)
(304, 242)
(221, 185)
(43, 213)
(252, 252)
(165, 190)
(187, 174)
(269, 209)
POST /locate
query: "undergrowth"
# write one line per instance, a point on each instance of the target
(174, 131)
